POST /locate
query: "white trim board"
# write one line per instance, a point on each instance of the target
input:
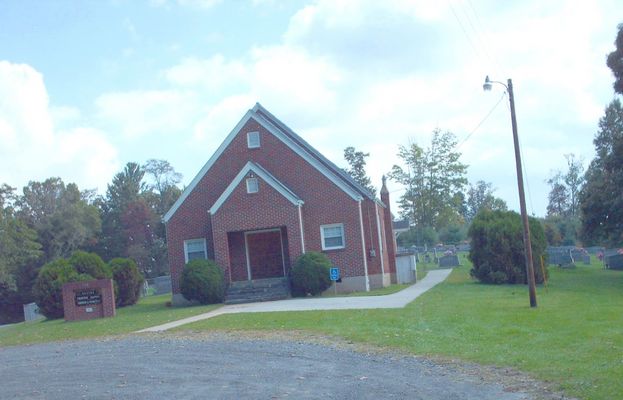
(281, 136)
(207, 166)
(266, 177)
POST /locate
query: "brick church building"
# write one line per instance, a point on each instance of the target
(265, 197)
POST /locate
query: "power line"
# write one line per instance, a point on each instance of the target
(482, 42)
(482, 121)
(485, 34)
(463, 29)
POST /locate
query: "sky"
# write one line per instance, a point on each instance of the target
(86, 87)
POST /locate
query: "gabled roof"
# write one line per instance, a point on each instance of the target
(300, 141)
(262, 173)
(400, 226)
(273, 125)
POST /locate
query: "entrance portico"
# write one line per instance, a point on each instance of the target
(252, 243)
(259, 254)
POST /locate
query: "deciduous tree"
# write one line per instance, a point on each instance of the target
(432, 178)
(480, 197)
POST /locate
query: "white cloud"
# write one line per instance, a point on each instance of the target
(378, 74)
(33, 148)
(212, 74)
(218, 120)
(151, 112)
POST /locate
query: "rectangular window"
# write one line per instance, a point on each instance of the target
(195, 249)
(253, 186)
(332, 236)
(253, 140)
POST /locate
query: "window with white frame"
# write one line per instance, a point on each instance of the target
(332, 236)
(253, 186)
(195, 249)
(253, 140)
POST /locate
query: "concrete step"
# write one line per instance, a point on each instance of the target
(260, 283)
(257, 290)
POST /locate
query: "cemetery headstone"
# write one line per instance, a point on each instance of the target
(31, 312)
(449, 261)
(162, 284)
(614, 261)
(559, 257)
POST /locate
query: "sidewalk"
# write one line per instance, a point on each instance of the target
(395, 300)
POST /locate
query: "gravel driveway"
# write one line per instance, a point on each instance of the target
(221, 367)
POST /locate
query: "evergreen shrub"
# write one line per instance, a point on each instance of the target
(310, 274)
(497, 248)
(203, 281)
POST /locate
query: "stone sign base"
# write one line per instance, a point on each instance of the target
(88, 300)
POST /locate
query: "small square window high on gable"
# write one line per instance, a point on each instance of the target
(253, 140)
(253, 186)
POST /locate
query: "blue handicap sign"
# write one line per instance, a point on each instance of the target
(334, 273)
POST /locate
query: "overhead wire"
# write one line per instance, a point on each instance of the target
(467, 36)
(487, 37)
(524, 169)
(482, 121)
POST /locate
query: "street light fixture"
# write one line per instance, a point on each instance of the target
(522, 197)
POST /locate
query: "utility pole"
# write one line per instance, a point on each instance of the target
(522, 196)
(522, 201)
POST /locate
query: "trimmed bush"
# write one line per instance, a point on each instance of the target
(128, 280)
(497, 248)
(90, 264)
(48, 289)
(310, 274)
(202, 281)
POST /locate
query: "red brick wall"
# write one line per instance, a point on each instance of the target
(389, 234)
(242, 211)
(74, 312)
(325, 203)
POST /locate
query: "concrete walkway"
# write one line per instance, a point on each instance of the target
(395, 300)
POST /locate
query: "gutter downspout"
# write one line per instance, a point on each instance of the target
(301, 227)
(363, 248)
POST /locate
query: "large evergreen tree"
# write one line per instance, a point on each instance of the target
(601, 199)
(357, 168)
(132, 213)
(615, 61)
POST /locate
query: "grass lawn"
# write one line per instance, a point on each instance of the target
(422, 270)
(374, 292)
(574, 338)
(148, 312)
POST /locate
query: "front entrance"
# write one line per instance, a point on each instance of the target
(265, 254)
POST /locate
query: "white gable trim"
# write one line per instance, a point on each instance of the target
(305, 155)
(207, 166)
(281, 136)
(266, 177)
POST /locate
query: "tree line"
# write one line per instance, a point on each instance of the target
(584, 207)
(50, 220)
(438, 201)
